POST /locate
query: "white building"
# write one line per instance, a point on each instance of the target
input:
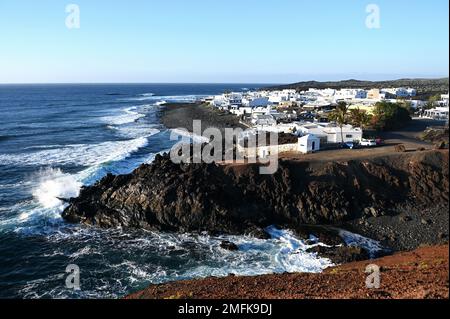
(240, 110)
(288, 128)
(361, 94)
(263, 120)
(411, 92)
(261, 110)
(444, 100)
(235, 99)
(438, 113)
(313, 128)
(349, 133)
(220, 101)
(328, 133)
(400, 92)
(416, 104)
(350, 94)
(308, 144)
(305, 144)
(255, 102)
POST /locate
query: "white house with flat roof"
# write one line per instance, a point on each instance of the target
(444, 100)
(308, 144)
(313, 128)
(263, 120)
(261, 110)
(288, 128)
(349, 133)
(437, 113)
(400, 92)
(235, 99)
(255, 101)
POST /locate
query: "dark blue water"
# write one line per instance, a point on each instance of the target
(56, 138)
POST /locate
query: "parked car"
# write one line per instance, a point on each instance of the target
(368, 143)
(348, 145)
(379, 141)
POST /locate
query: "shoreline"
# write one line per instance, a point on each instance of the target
(181, 115)
(420, 274)
(406, 207)
(404, 227)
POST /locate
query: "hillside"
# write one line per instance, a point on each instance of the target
(423, 86)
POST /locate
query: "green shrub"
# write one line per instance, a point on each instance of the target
(390, 116)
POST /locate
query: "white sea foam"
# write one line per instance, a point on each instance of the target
(168, 98)
(126, 123)
(132, 259)
(54, 184)
(81, 154)
(293, 256)
(161, 102)
(49, 185)
(136, 131)
(352, 239)
(129, 115)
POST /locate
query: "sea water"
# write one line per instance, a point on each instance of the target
(56, 138)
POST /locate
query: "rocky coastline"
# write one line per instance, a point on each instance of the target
(398, 199)
(226, 199)
(420, 274)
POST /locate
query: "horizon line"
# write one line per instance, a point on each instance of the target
(265, 83)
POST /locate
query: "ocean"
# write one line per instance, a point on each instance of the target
(56, 138)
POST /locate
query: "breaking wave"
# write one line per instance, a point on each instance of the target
(372, 246)
(133, 259)
(167, 98)
(82, 154)
(130, 116)
(54, 185)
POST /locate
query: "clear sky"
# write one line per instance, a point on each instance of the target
(266, 41)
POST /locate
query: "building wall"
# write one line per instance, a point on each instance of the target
(349, 136)
(368, 108)
(250, 152)
(373, 94)
(305, 145)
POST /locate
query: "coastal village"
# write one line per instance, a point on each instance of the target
(323, 118)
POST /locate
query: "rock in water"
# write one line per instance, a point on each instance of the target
(228, 245)
(341, 254)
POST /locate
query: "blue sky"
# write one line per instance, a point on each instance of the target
(264, 41)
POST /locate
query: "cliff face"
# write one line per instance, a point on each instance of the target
(237, 199)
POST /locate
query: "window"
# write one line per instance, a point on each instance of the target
(348, 136)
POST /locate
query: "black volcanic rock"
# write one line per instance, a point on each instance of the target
(239, 200)
(341, 254)
(228, 245)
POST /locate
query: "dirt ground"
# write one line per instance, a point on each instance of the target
(408, 137)
(420, 274)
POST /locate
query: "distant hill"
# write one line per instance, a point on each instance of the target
(423, 86)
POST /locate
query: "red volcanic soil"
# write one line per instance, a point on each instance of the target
(419, 274)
